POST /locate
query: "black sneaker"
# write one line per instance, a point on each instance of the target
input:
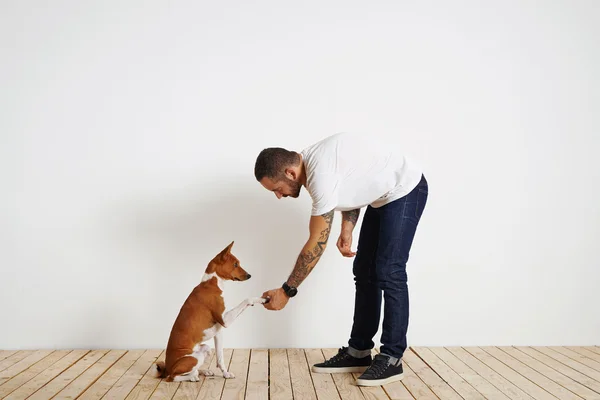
(343, 362)
(381, 372)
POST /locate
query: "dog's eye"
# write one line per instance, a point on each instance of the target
(236, 265)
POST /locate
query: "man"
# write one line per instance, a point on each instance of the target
(346, 172)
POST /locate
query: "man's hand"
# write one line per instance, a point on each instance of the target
(344, 244)
(277, 299)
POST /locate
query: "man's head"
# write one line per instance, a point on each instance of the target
(279, 171)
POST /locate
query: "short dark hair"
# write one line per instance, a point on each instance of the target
(273, 161)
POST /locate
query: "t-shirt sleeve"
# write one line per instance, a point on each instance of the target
(324, 194)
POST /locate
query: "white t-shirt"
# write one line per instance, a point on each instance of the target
(348, 171)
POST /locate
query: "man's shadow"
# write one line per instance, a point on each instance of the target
(181, 232)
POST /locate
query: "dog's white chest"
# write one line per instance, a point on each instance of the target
(210, 332)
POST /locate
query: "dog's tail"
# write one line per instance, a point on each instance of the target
(159, 370)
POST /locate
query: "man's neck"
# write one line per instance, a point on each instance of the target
(302, 171)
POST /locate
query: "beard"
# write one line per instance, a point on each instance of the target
(295, 188)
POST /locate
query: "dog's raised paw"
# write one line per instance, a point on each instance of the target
(228, 375)
(257, 300)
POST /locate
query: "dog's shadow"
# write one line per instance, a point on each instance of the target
(181, 232)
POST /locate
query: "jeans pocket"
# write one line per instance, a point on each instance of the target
(421, 201)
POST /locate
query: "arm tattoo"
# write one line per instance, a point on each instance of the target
(308, 259)
(351, 216)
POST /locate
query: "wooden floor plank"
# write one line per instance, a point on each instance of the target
(584, 369)
(114, 379)
(112, 371)
(144, 388)
(323, 383)
(585, 351)
(484, 387)
(279, 369)
(499, 381)
(345, 382)
(441, 387)
(452, 373)
(91, 375)
(525, 384)
(562, 368)
(302, 384)
(14, 358)
(190, 390)
(455, 381)
(48, 375)
(6, 353)
(594, 349)
(346, 386)
(577, 356)
(258, 375)
(371, 392)
(19, 380)
(53, 387)
(417, 388)
(22, 365)
(395, 390)
(531, 374)
(552, 374)
(212, 388)
(236, 388)
(164, 390)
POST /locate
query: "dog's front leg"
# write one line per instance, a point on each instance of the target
(232, 314)
(219, 354)
(228, 319)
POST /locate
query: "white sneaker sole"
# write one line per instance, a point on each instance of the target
(379, 382)
(325, 370)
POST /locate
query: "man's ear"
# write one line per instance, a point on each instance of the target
(290, 173)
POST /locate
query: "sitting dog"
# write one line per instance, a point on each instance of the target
(202, 318)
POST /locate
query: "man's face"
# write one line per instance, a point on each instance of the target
(284, 187)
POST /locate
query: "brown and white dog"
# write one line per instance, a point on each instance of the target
(201, 318)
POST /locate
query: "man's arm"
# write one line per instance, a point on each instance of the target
(349, 219)
(344, 243)
(319, 227)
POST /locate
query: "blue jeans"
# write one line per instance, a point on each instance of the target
(384, 245)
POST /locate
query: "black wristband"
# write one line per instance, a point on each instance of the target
(290, 291)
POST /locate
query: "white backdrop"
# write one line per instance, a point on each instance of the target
(129, 130)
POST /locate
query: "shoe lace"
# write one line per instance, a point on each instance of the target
(379, 365)
(342, 353)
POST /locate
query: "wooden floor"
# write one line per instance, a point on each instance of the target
(429, 373)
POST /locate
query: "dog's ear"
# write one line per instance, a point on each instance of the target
(226, 251)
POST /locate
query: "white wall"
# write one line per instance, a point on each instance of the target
(129, 130)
